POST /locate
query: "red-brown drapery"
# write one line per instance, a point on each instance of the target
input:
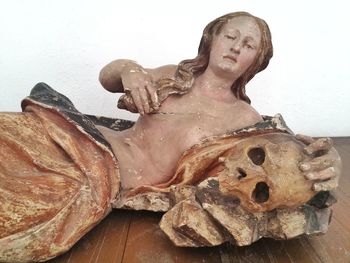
(56, 183)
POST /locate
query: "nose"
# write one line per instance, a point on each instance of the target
(236, 47)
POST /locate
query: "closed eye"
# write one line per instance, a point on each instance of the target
(249, 43)
(231, 37)
(249, 46)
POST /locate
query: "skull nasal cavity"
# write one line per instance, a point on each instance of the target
(257, 155)
(261, 192)
(241, 173)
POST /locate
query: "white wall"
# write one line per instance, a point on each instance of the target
(65, 43)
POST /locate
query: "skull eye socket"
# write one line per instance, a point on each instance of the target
(257, 155)
(261, 192)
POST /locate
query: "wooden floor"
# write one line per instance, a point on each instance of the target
(131, 236)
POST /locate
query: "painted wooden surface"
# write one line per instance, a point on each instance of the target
(131, 236)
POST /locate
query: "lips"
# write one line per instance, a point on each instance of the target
(234, 59)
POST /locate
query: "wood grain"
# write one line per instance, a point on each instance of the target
(105, 243)
(148, 244)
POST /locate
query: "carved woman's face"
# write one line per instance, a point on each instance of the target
(235, 47)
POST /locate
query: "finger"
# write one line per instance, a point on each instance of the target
(144, 100)
(153, 96)
(305, 139)
(326, 186)
(137, 101)
(322, 175)
(323, 144)
(318, 163)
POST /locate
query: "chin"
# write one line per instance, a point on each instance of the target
(227, 65)
(227, 69)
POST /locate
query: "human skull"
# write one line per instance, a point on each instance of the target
(262, 171)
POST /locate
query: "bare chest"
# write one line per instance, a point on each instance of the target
(159, 139)
(186, 120)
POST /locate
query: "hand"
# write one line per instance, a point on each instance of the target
(138, 86)
(323, 165)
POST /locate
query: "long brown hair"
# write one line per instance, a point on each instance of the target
(189, 69)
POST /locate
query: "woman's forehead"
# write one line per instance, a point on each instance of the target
(243, 24)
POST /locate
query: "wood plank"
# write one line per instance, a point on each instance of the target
(300, 252)
(341, 212)
(115, 235)
(276, 251)
(148, 244)
(334, 246)
(293, 250)
(321, 255)
(229, 253)
(105, 243)
(255, 253)
(342, 142)
(344, 182)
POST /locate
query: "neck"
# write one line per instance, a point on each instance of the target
(215, 86)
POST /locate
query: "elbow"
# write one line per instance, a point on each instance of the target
(102, 78)
(110, 76)
(106, 82)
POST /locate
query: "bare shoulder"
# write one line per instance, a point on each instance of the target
(249, 113)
